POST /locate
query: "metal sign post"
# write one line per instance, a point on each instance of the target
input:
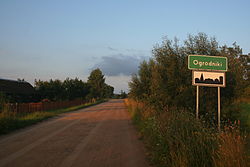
(219, 108)
(197, 102)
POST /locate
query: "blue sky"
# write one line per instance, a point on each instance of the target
(58, 39)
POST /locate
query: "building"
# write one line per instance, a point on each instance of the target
(17, 91)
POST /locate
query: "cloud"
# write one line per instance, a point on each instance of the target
(137, 51)
(112, 49)
(118, 82)
(129, 51)
(119, 64)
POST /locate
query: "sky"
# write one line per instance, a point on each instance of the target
(56, 39)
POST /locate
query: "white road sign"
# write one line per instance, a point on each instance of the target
(212, 79)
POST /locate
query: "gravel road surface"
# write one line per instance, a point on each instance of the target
(98, 136)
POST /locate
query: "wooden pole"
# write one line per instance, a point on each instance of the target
(197, 102)
(219, 108)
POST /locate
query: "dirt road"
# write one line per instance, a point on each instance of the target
(97, 136)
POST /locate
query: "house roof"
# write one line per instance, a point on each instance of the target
(16, 87)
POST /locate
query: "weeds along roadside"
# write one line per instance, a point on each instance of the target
(10, 121)
(178, 139)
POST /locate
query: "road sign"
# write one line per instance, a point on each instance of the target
(211, 63)
(207, 78)
(214, 75)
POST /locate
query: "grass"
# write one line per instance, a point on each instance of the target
(177, 139)
(10, 122)
(244, 116)
(240, 112)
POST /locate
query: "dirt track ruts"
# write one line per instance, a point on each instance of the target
(98, 136)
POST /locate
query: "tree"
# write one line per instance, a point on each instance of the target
(123, 94)
(52, 90)
(56, 90)
(75, 88)
(135, 87)
(97, 82)
(3, 100)
(108, 91)
(165, 81)
(20, 80)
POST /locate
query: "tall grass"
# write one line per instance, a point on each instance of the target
(231, 151)
(177, 139)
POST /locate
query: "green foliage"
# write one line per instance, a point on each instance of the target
(108, 91)
(165, 81)
(75, 88)
(246, 94)
(97, 81)
(244, 116)
(140, 86)
(45, 89)
(123, 94)
(99, 89)
(2, 101)
(52, 90)
(56, 90)
(176, 138)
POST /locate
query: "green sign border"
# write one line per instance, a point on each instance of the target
(208, 57)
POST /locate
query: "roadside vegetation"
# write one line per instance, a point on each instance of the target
(162, 104)
(11, 121)
(61, 90)
(94, 91)
(176, 138)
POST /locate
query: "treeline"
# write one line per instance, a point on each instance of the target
(57, 90)
(166, 82)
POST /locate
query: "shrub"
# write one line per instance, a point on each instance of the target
(231, 151)
(177, 139)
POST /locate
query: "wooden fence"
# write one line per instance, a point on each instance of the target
(41, 106)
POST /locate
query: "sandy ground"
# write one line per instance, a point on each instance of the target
(98, 136)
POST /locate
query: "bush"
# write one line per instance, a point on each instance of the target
(164, 81)
(231, 151)
(2, 101)
(177, 139)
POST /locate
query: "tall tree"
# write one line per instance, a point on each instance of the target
(56, 90)
(75, 88)
(108, 91)
(97, 82)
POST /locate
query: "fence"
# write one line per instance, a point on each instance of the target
(41, 106)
